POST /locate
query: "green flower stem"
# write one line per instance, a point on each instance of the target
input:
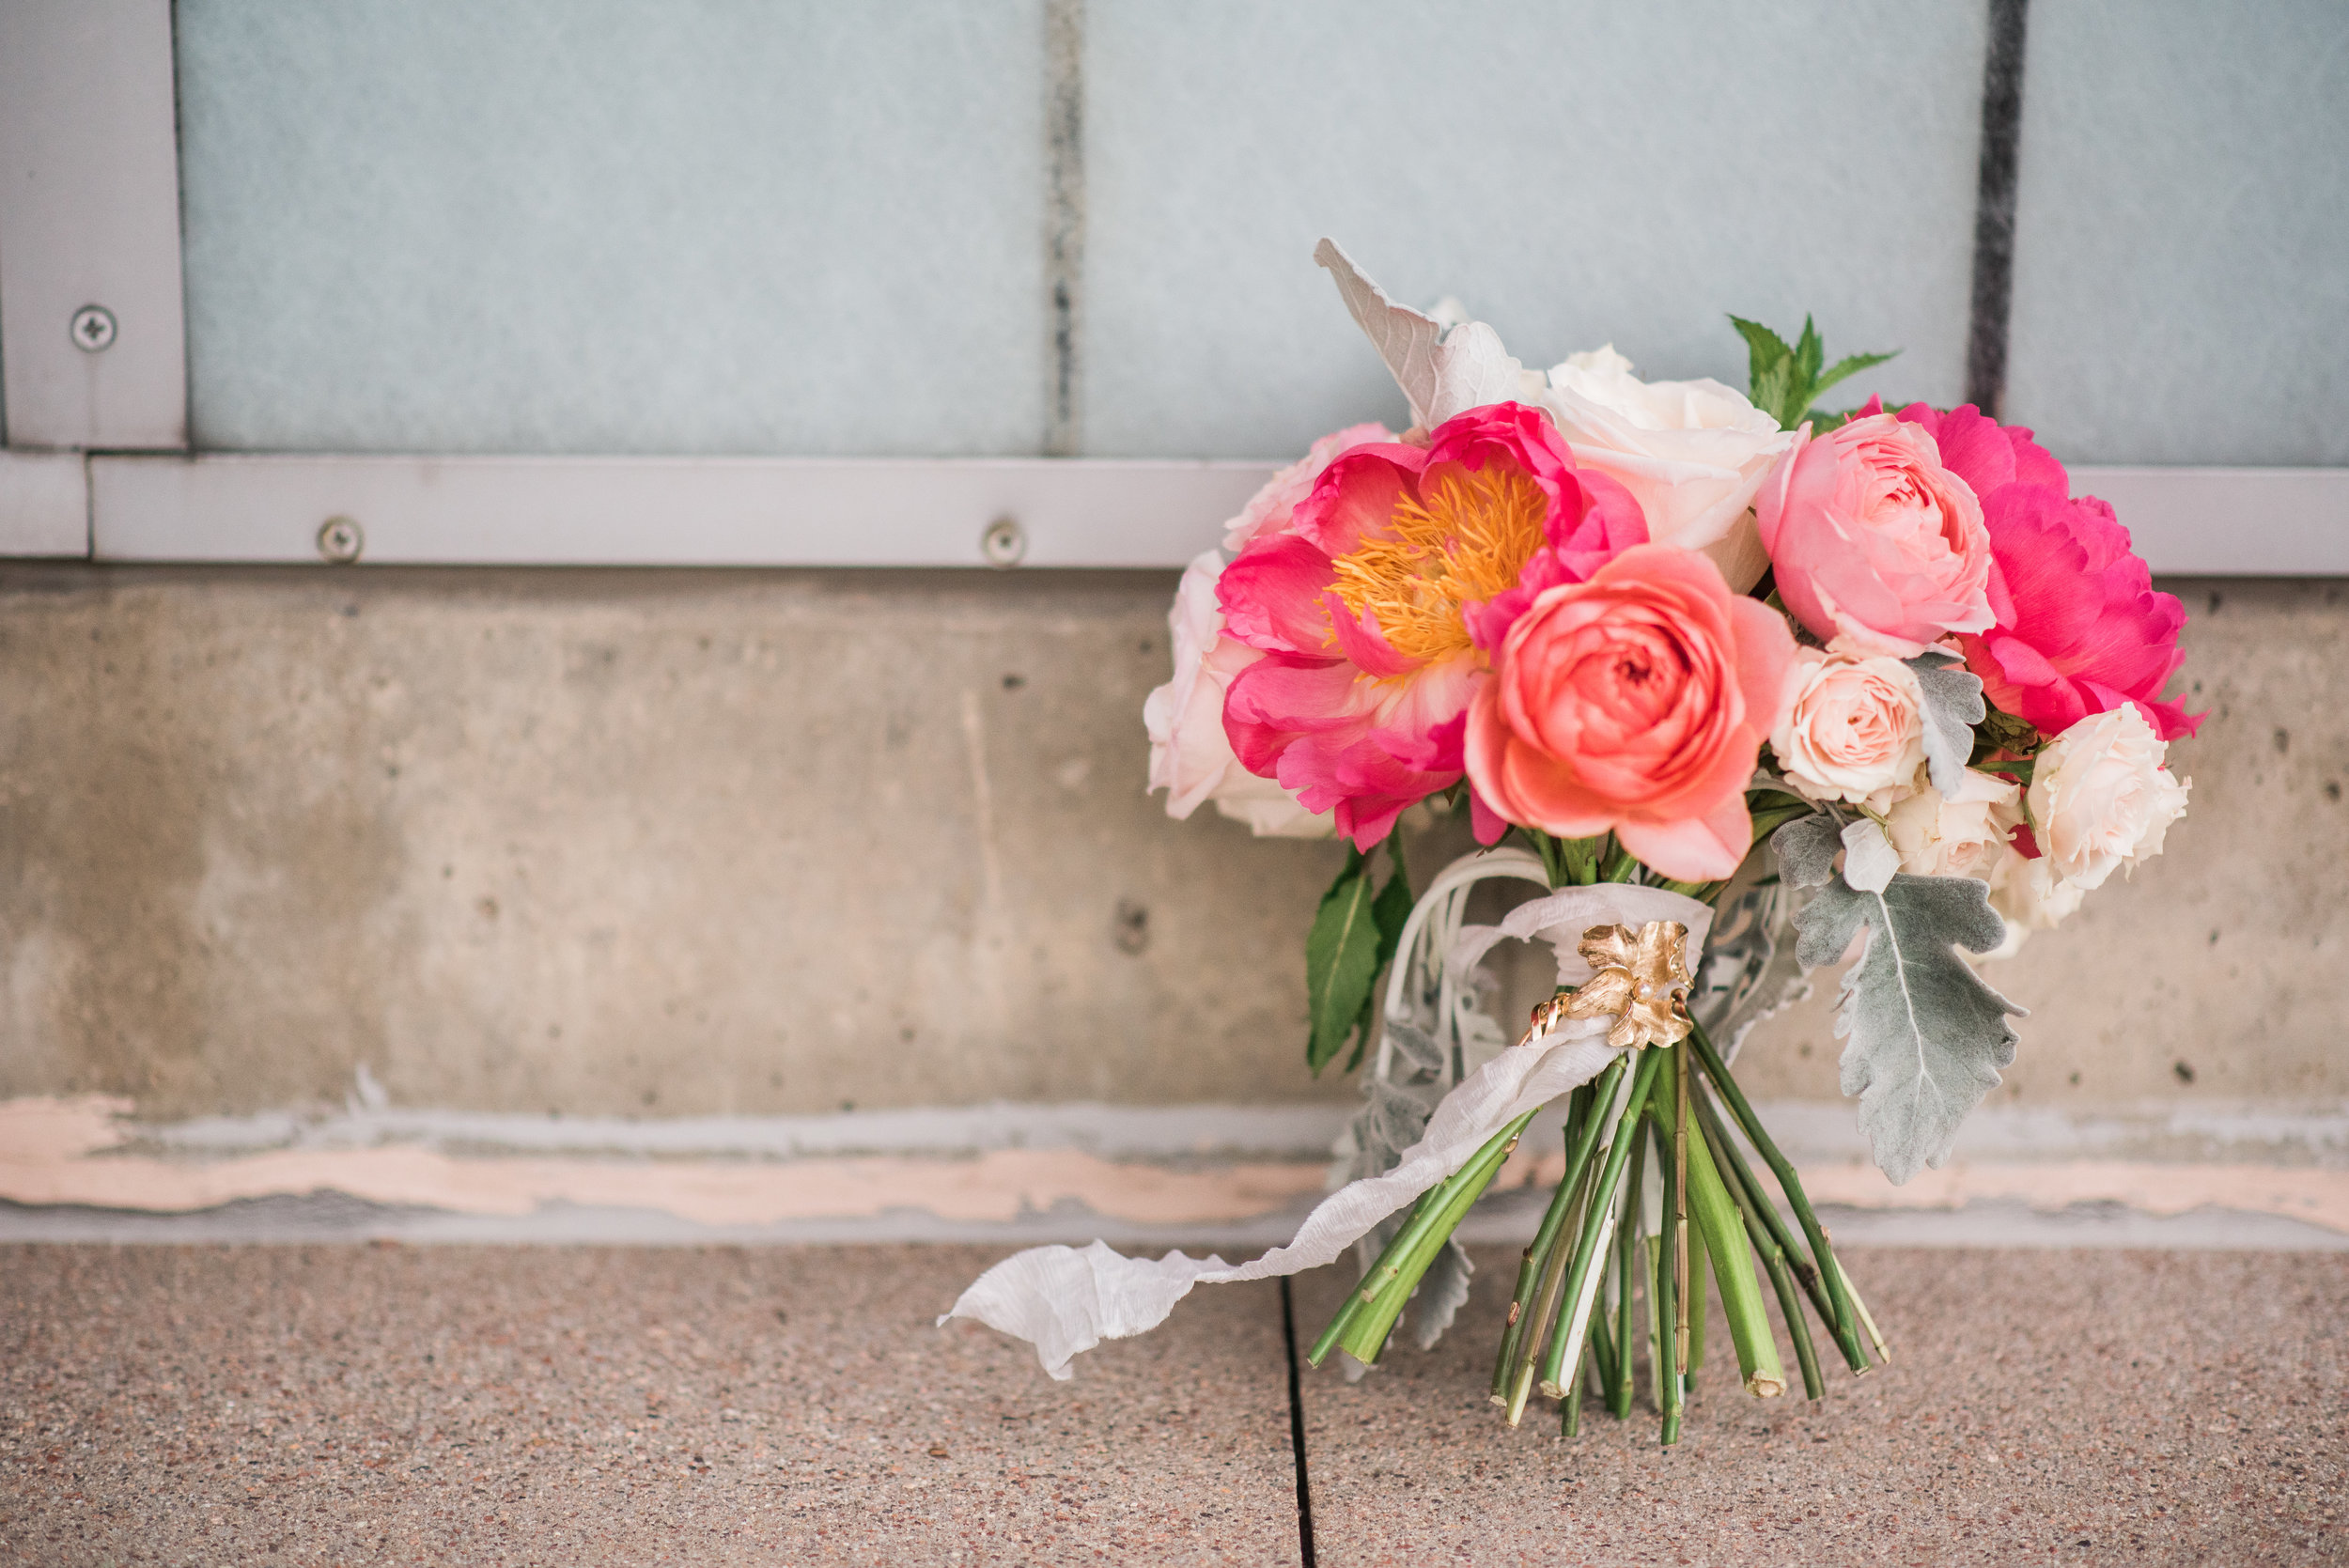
(1884, 1352)
(1724, 1228)
(1798, 1264)
(1581, 859)
(1545, 1312)
(1396, 1274)
(1842, 1323)
(1356, 1298)
(1581, 1279)
(1627, 1250)
(1773, 1255)
(1700, 1264)
(1585, 1121)
(1606, 1123)
(1602, 1341)
(1621, 865)
(1669, 1397)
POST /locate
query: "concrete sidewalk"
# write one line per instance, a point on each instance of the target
(391, 1404)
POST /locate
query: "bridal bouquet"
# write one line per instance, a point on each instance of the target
(1747, 688)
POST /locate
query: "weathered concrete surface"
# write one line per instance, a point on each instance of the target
(638, 843)
(2039, 1406)
(670, 844)
(283, 1406)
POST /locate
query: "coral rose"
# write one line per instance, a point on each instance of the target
(1190, 756)
(2079, 629)
(1874, 541)
(1378, 601)
(1636, 701)
(1852, 728)
(2100, 798)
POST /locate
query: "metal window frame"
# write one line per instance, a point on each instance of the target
(97, 464)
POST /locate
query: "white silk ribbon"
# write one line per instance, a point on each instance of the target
(1064, 1301)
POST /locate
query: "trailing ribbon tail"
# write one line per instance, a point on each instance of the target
(1064, 1301)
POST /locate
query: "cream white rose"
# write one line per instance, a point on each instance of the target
(2100, 798)
(1955, 835)
(1692, 453)
(2030, 896)
(1191, 757)
(1849, 728)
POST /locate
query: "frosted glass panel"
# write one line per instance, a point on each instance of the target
(615, 225)
(1573, 172)
(2182, 265)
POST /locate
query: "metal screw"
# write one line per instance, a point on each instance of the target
(1004, 543)
(93, 327)
(340, 540)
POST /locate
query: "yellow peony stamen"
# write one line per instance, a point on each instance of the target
(1464, 540)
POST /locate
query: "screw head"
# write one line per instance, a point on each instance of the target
(340, 540)
(1004, 543)
(93, 327)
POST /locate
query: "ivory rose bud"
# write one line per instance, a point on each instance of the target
(1692, 453)
(1634, 701)
(1851, 728)
(1874, 541)
(1190, 758)
(1963, 834)
(2100, 798)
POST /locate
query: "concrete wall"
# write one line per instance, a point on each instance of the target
(661, 843)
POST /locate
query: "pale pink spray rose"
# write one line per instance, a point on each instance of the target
(1851, 728)
(1693, 454)
(1873, 542)
(2100, 799)
(1963, 834)
(1190, 758)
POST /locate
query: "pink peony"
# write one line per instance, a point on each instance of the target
(2079, 629)
(1636, 701)
(1271, 507)
(1378, 600)
(1874, 541)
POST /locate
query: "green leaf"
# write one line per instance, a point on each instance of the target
(1810, 354)
(1849, 365)
(1764, 349)
(1389, 912)
(1924, 1037)
(1341, 961)
(1772, 390)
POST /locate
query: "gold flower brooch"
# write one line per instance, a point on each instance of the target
(1642, 983)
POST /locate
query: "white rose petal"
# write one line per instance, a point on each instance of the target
(1190, 756)
(1963, 834)
(2030, 896)
(1694, 454)
(2100, 798)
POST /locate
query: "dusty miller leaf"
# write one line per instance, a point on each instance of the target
(1869, 858)
(1953, 705)
(1442, 373)
(1924, 1037)
(1806, 849)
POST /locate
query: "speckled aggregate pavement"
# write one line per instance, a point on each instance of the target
(325, 1405)
(2041, 1407)
(276, 1404)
